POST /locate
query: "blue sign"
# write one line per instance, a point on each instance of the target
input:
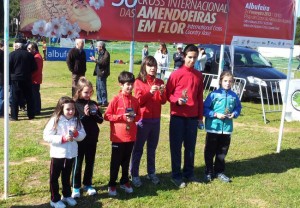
(60, 54)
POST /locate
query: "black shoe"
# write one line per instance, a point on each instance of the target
(13, 119)
(208, 178)
(178, 182)
(192, 179)
(222, 177)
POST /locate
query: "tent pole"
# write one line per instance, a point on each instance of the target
(6, 99)
(296, 3)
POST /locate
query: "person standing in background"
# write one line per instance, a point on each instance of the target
(162, 59)
(37, 77)
(178, 57)
(44, 46)
(76, 62)
(21, 67)
(102, 71)
(145, 52)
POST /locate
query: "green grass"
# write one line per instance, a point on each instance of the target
(261, 177)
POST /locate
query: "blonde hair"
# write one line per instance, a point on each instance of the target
(82, 83)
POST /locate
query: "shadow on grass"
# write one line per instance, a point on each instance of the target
(271, 163)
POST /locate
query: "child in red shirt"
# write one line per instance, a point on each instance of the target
(122, 113)
(150, 92)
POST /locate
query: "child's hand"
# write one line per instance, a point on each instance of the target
(153, 89)
(129, 119)
(162, 89)
(220, 116)
(86, 110)
(181, 101)
(230, 115)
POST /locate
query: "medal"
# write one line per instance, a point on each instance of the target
(127, 127)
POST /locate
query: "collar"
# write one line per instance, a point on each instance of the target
(187, 68)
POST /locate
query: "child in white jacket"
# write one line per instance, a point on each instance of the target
(63, 131)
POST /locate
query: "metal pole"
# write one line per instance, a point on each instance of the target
(6, 116)
(296, 2)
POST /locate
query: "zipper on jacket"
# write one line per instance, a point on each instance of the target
(225, 110)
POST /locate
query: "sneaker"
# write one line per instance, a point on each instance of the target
(208, 178)
(127, 187)
(90, 190)
(178, 182)
(136, 181)
(76, 193)
(58, 204)
(222, 177)
(112, 191)
(154, 179)
(69, 200)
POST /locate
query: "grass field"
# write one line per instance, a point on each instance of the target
(261, 177)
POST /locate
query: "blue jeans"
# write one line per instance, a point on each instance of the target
(101, 90)
(147, 131)
(183, 130)
(36, 98)
(1, 100)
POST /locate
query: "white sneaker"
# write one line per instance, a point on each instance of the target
(112, 191)
(90, 190)
(72, 202)
(58, 204)
(75, 193)
(127, 187)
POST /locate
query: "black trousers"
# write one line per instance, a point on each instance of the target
(216, 147)
(63, 167)
(120, 156)
(86, 152)
(19, 88)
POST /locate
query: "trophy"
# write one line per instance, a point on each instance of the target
(184, 96)
(227, 112)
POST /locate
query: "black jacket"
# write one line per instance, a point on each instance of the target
(21, 65)
(102, 68)
(76, 61)
(90, 123)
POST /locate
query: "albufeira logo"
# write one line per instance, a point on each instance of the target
(258, 7)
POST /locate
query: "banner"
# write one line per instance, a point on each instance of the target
(188, 21)
(293, 99)
(61, 54)
(265, 23)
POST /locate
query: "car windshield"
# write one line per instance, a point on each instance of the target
(245, 58)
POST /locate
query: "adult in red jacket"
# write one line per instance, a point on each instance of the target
(37, 77)
(150, 92)
(185, 94)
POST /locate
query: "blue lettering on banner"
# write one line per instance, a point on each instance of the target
(60, 54)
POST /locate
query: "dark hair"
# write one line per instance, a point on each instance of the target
(34, 45)
(148, 61)
(82, 83)
(225, 74)
(126, 76)
(164, 46)
(189, 48)
(146, 46)
(59, 110)
(203, 50)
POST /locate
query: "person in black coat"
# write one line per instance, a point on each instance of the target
(21, 66)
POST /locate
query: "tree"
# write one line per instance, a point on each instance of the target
(14, 11)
